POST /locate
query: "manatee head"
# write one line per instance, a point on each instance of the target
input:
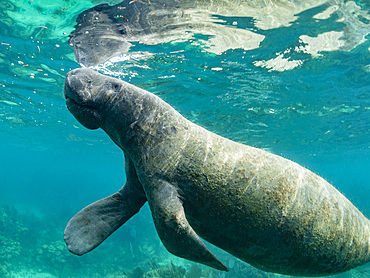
(88, 95)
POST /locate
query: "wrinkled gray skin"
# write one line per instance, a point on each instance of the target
(264, 209)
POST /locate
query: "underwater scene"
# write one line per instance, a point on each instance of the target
(290, 77)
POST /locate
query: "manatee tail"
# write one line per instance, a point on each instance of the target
(93, 224)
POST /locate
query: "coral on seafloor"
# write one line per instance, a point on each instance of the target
(24, 247)
(33, 246)
(169, 271)
(10, 231)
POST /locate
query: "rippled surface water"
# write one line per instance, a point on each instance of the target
(291, 77)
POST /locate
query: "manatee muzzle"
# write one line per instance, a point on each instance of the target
(77, 100)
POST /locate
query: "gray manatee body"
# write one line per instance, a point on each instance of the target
(104, 31)
(266, 210)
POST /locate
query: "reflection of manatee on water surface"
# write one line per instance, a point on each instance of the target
(264, 209)
(106, 31)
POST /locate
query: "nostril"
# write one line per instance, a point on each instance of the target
(68, 76)
(74, 71)
(75, 83)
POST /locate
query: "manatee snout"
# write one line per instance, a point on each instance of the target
(80, 99)
(80, 86)
(73, 86)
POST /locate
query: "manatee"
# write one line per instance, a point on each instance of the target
(264, 209)
(107, 31)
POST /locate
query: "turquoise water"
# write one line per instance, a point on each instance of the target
(300, 90)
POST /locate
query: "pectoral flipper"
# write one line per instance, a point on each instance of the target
(93, 224)
(177, 235)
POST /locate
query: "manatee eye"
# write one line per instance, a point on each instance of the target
(116, 87)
